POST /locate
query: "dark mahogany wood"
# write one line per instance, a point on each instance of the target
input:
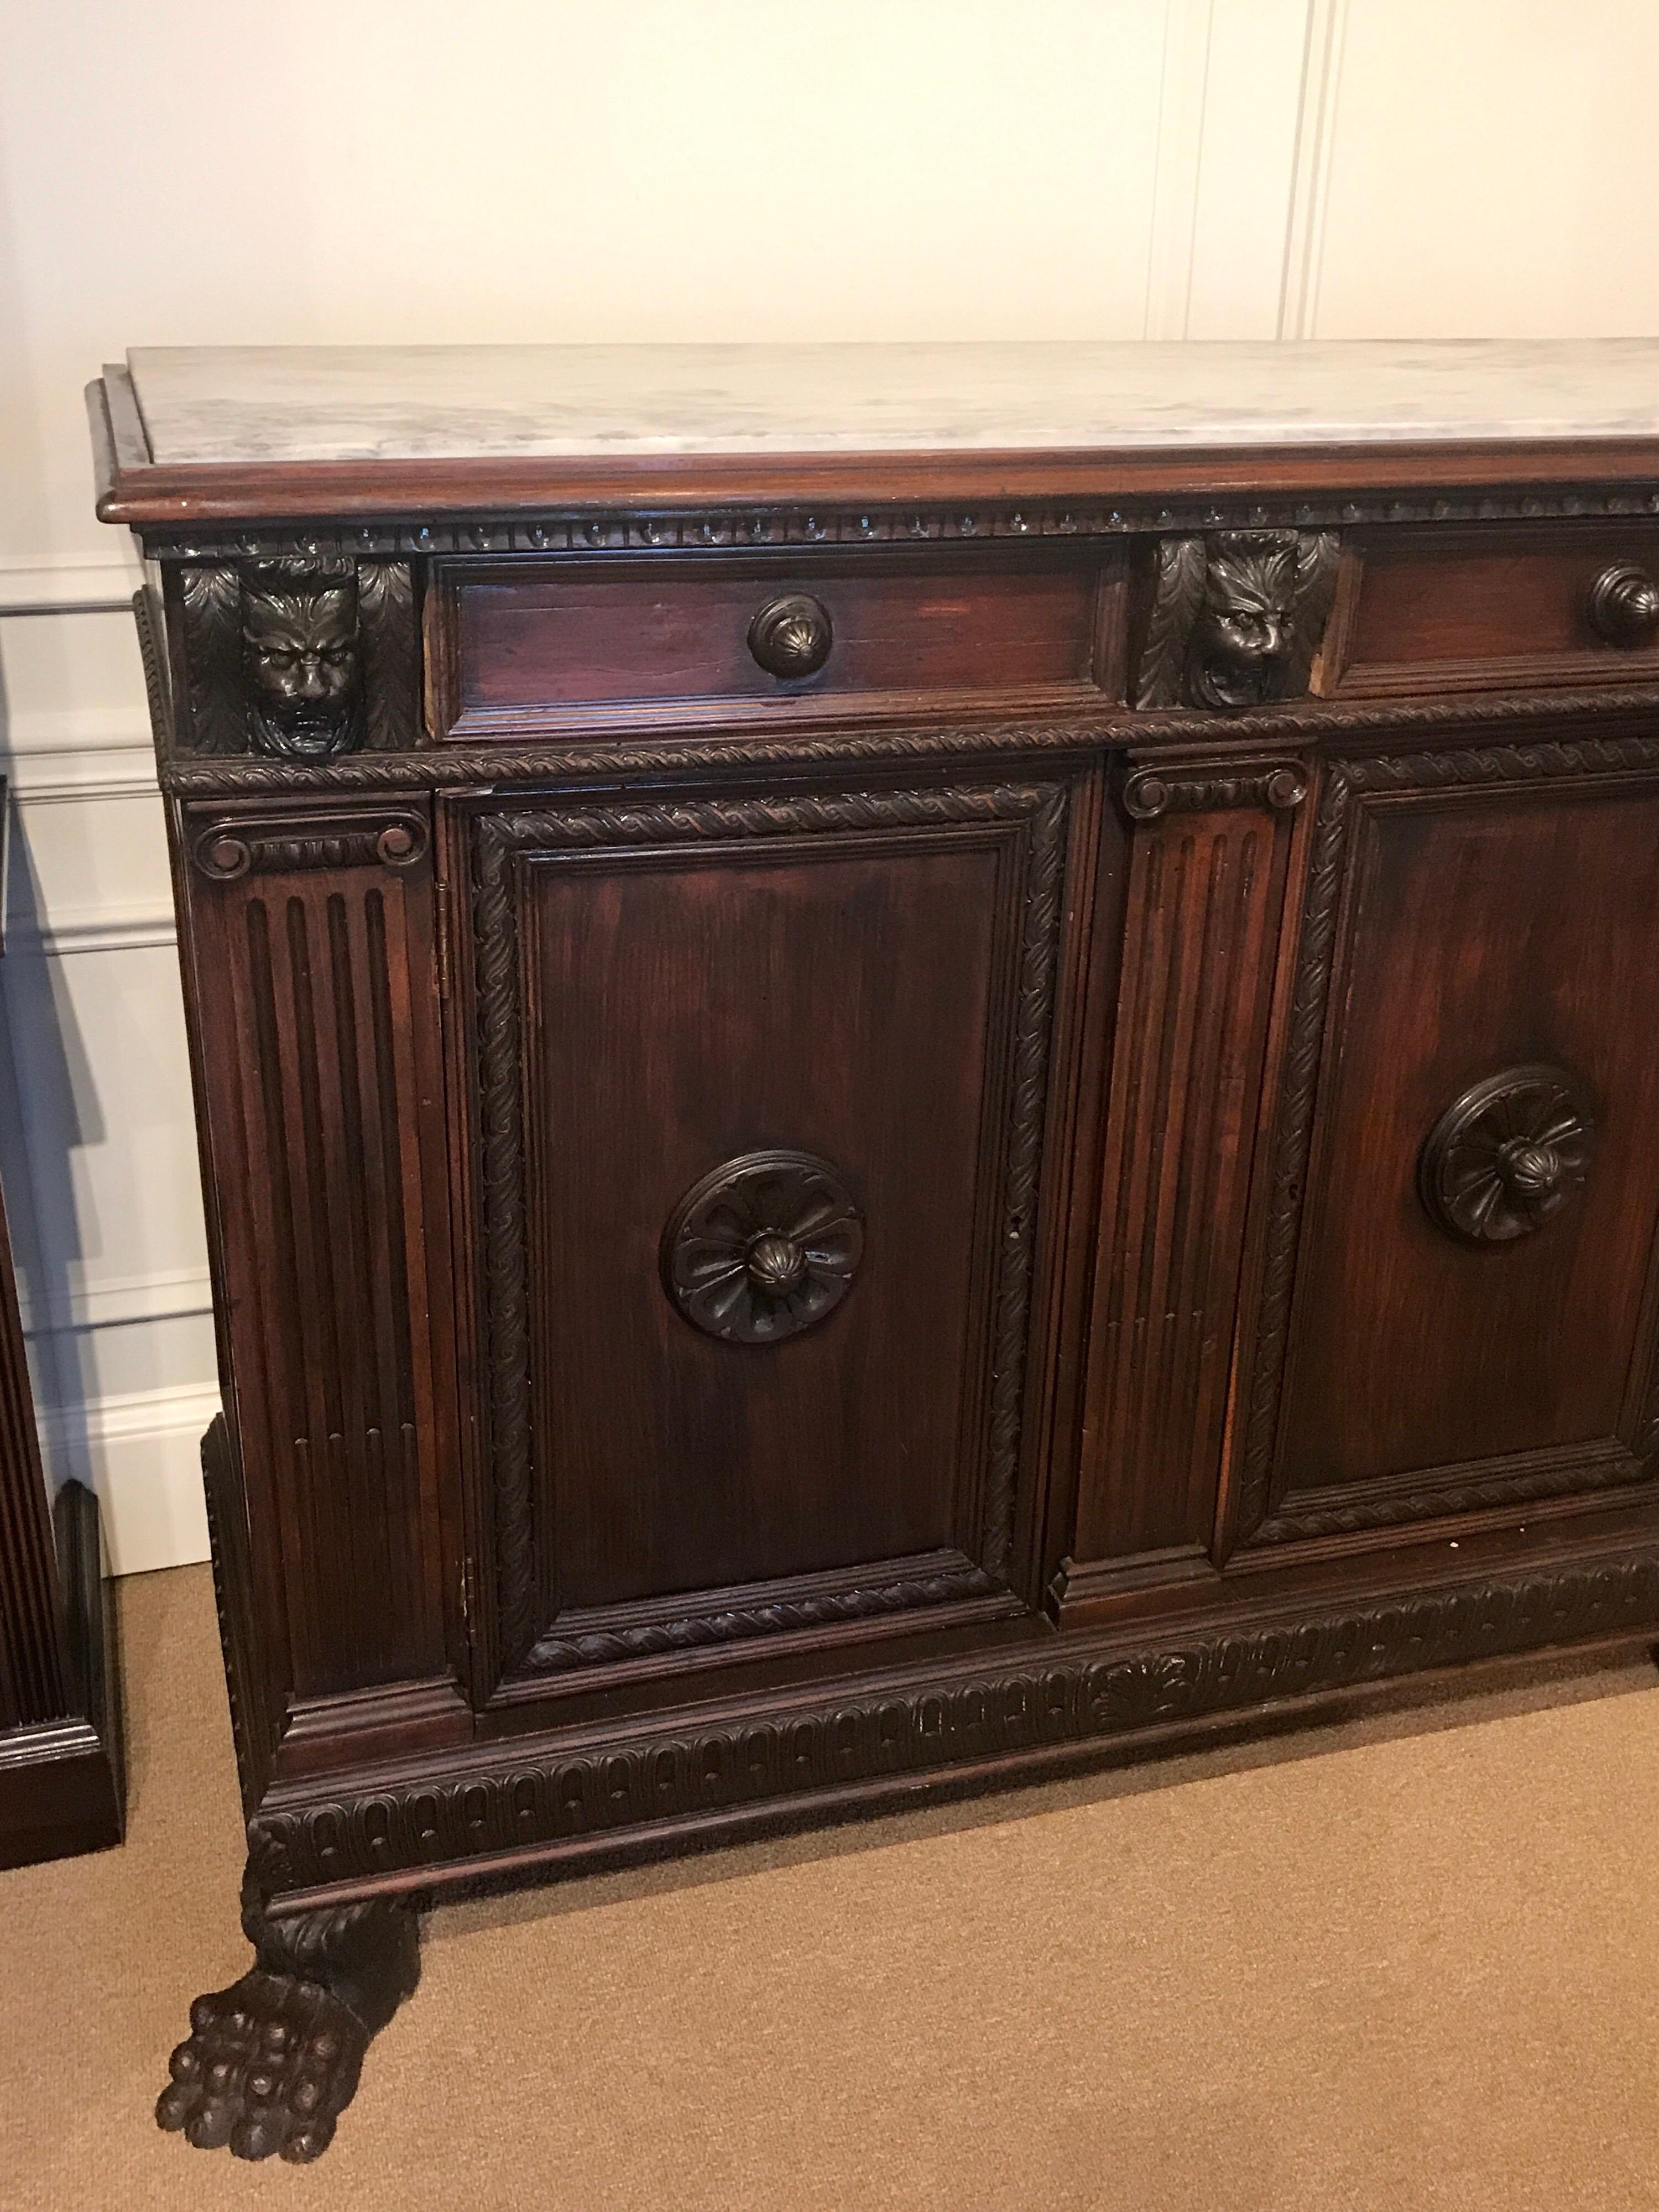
(323, 1123)
(1483, 931)
(877, 967)
(1452, 610)
(61, 1785)
(531, 648)
(785, 1241)
(1206, 903)
(271, 2062)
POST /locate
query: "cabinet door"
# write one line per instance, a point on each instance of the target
(759, 1094)
(1458, 1309)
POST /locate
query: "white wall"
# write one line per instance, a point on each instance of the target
(182, 172)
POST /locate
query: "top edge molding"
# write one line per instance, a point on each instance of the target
(192, 437)
(797, 524)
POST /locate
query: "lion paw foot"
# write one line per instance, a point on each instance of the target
(267, 2069)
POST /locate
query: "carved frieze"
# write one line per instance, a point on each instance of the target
(1295, 724)
(720, 530)
(1236, 617)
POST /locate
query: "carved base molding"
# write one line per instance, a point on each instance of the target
(1066, 1703)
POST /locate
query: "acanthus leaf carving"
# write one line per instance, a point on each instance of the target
(1236, 617)
(303, 658)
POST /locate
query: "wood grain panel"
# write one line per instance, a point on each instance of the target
(1482, 929)
(1473, 609)
(1206, 893)
(867, 978)
(319, 1051)
(546, 644)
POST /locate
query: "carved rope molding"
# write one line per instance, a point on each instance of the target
(1043, 810)
(701, 1631)
(925, 1728)
(458, 768)
(1495, 765)
(152, 631)
(616, 530)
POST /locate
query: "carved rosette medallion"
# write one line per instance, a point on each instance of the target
(1236, 617)
(762, 1247)
(1507, 1154)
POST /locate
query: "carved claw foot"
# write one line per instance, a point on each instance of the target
(271, 2062)
(269, 2066)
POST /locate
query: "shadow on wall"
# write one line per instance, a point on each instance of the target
(36, 1170)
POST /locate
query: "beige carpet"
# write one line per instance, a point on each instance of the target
(1412, 1962)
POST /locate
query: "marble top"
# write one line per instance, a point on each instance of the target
(238, 404)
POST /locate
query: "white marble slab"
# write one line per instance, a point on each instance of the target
(279, 404)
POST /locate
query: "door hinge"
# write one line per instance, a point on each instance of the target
(441, 935)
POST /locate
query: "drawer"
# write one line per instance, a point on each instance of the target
(1478, 610)
(515, 648)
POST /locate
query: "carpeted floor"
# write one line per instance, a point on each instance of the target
(1411, 1962)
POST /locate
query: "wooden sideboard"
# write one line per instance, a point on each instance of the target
(914, 1065)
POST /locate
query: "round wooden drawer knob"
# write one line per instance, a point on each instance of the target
(1623, 605)
(791, 635)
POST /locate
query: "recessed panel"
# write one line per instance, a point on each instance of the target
(761, 1106)
(1472, 1290)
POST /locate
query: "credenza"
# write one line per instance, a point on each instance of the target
(914, 1065)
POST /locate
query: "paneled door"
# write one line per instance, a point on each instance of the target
(757, 1087)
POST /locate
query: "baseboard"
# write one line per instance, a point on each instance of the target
(143, 1456)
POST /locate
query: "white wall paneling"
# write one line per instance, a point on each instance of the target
(545, 169)
(98, 1151)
